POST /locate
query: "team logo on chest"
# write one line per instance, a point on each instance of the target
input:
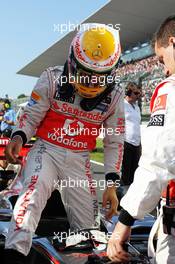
(73, 127)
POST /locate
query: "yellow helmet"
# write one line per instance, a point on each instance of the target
(94, 53)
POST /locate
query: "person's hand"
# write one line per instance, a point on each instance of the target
(110, 196)
(6, 121)
(13, 149)
(115, 251)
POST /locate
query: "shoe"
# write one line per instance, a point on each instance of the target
(12, 256)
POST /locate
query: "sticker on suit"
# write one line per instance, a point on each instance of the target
(34, 99)
(156, 120)
(160, 103)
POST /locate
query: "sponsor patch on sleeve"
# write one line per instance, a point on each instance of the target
(156, 120)
(160, 103)
(31, 102)
(35, 96)
(34, 99)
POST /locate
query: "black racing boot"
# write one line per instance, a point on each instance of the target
(12, 256)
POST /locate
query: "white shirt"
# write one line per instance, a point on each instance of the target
(132, 123)
(157, 163)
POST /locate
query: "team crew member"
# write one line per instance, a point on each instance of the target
(132, 144)
(8, 120)
(157, 163)
(67, 117)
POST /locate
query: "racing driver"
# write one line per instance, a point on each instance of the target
(66, 112)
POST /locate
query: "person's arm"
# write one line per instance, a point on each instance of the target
(115, 249)
(113, 140)
(33, 114)
(35, 110)
(157, 167)
(10, 118)
(113, 151)
(157, 163)
(9, 122)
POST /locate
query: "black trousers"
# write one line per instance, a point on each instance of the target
(130, 162)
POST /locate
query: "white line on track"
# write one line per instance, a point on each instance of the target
(97, 163)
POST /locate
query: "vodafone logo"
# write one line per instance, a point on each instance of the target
(73, 127)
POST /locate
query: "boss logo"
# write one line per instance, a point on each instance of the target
(156, 120)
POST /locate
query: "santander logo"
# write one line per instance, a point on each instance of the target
(77, 112)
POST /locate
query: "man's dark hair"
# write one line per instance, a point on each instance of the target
(129, 88)
(164, 32)
(132, 85)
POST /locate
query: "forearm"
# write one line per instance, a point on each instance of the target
(9, 122)
(35, 110)
(143, 194)
(21, 135)
(114, 138)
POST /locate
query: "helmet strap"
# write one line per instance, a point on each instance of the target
(89, 104)
(66, 90)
